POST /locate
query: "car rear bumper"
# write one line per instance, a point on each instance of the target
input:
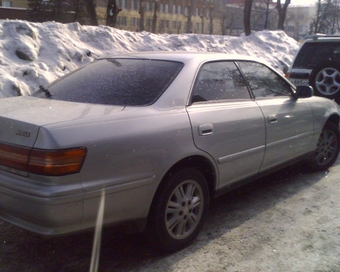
(44, 209)
(59, 209)
(299, 77)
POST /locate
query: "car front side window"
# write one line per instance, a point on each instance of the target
(219, 81)
(263, 81)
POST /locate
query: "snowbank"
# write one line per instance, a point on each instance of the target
(33, 54)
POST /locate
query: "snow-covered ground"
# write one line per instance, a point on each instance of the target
(33, 54)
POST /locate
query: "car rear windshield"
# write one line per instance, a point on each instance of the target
(312, 54)
(125, 82)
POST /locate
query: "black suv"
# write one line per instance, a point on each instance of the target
(317, 64)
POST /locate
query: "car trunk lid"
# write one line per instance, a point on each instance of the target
(21, 117)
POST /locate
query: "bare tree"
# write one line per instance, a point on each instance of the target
(189, 22)
(316, 21)
(223, 21)
(247, 16)
(282, 11)
(231, 23)
(142, 15)
(203, 14)
(267, 12)
(211, 19)
(154, 17)
(326, 18)
(112, 11)
(91, 12)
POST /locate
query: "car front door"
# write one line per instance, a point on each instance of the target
(226, 122)
(289, 121)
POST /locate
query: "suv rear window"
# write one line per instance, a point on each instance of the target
(125, 82)
(311, 54)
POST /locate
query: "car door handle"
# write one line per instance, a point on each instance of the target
(272, 118)
(205, 129)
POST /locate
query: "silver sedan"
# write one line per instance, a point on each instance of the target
(159, 134)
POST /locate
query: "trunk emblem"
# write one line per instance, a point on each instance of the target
(22, 133)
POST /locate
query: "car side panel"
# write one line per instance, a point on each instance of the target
(233, 133)
(322, 109)
(289, 129)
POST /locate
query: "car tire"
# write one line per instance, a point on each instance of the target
(325, 80)
(327, 150)
(179, 210)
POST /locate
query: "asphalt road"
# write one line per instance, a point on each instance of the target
(288, 221)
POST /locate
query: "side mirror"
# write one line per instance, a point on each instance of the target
(304, 91)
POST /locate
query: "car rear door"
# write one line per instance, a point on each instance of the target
(226, 123)
(289, 121)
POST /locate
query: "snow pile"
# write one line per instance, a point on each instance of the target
(33, 54)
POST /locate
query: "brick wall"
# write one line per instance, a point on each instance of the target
(13, 13)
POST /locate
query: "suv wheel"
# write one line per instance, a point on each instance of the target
(325, 80)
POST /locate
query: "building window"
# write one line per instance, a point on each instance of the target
(7, 4)
(166, 8)
(124, 21)
(123, 4)
(148, 23)
(290, 28)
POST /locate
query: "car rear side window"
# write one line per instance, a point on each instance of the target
(126, 82)
(219, 81)
(263, 81)
(311, 54)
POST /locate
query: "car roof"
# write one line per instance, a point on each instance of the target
(184, 56)
(320, 39)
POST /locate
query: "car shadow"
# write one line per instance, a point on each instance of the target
(21, 250)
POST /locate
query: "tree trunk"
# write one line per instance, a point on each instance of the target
(202, 17)
(282, 11)
(211, 20)
(246, 16)
(154, 18)
(91, 12)
(141, 12)
(189, 23)
(266, 20)
(112, 11)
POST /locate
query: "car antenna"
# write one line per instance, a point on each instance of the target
(47, 92)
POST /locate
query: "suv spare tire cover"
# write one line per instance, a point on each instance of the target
(325, 79)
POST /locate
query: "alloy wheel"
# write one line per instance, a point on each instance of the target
(327, 81)
(184, 209)
(327, 147)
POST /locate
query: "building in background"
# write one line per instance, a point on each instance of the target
(218, 17)
(13, 9)
(298, 20)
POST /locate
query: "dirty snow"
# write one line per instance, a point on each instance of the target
(33, 54)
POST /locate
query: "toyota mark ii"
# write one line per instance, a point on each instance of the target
(160, 134)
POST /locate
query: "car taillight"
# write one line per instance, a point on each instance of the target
(287, 75)
(41, 161)
(14, 157)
